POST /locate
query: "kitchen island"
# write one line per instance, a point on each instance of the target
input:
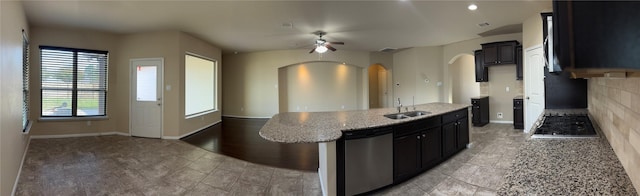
(327, 129)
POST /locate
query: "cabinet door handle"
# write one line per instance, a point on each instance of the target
(418, 137)
(514, 107)
(424, 135)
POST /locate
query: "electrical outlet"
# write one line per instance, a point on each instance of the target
(499, 114)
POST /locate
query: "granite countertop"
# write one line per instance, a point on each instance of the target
(518, 97)
(315, 127)
(584, 166)
(562, 166)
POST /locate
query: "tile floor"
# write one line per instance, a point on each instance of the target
(118, 165)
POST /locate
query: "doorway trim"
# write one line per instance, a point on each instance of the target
(161, 77)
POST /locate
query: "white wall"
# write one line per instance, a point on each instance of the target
(12, 142)
(250, 80)
(411, 68)
(463, 79)
(320, 86)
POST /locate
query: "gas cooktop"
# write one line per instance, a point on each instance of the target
(565, 126)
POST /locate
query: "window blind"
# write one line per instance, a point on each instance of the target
(74, 82)
(25, 81)
(200, 86)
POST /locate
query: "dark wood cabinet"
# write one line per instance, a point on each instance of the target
(518, 114)
(482, 73)
(462, 131)
(519, 62)
(449, 143)
(406, 156)
(417, 146)
(431, 144)
(480, 111)
(596, 36)
(499, 53)
(455, 132)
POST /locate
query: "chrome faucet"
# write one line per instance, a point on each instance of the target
(399, 105)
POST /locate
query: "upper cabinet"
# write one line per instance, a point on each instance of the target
(482, 74)
(499, 53)
(595, 37)
(519, 62)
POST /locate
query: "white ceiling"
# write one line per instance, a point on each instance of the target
(248, 26)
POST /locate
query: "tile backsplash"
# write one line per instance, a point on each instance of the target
(615, 106)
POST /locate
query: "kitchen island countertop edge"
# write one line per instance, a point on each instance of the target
(317, 127)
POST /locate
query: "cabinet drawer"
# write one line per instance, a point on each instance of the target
(517, 103)
(415, 126)
(452, 116)
(406, 128)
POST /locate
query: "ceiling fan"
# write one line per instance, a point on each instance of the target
(322, 45)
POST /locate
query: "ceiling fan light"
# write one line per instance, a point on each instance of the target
(321, 49)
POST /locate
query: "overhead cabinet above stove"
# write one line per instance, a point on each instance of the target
(499, 53)
(596, 37)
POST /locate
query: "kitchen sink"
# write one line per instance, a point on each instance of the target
(396, 116)
(416, 113)
(404, 115)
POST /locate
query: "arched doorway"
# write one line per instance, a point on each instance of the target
(463, 80)
(378, 86)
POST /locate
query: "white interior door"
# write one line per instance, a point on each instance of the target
(146, 98)
(534, 85)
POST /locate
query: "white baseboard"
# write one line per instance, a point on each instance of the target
(501, 121)
(77, 135)
(24, 155)
(187, 134)
(234, 116)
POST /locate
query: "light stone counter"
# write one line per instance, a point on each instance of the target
(325, 128)
(317, 127)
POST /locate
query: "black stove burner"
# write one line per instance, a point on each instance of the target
(566, 125)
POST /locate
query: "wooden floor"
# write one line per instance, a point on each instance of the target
(239, 138)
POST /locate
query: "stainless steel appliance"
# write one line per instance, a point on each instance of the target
(368, 160)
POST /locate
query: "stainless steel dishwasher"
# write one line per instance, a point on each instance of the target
(368, 160)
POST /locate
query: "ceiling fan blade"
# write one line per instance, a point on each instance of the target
(330, 47)
(337, 43)
(313, 49)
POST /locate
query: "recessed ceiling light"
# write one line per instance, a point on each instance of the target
(472, 7)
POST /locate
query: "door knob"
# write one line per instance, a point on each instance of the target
(527, 97)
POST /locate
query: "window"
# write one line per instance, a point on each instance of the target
(74, 82)
(25, 81)
(200, 86)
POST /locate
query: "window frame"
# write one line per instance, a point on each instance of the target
(75, 89)
(215, 86)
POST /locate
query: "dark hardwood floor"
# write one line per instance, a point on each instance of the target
(239, 138)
